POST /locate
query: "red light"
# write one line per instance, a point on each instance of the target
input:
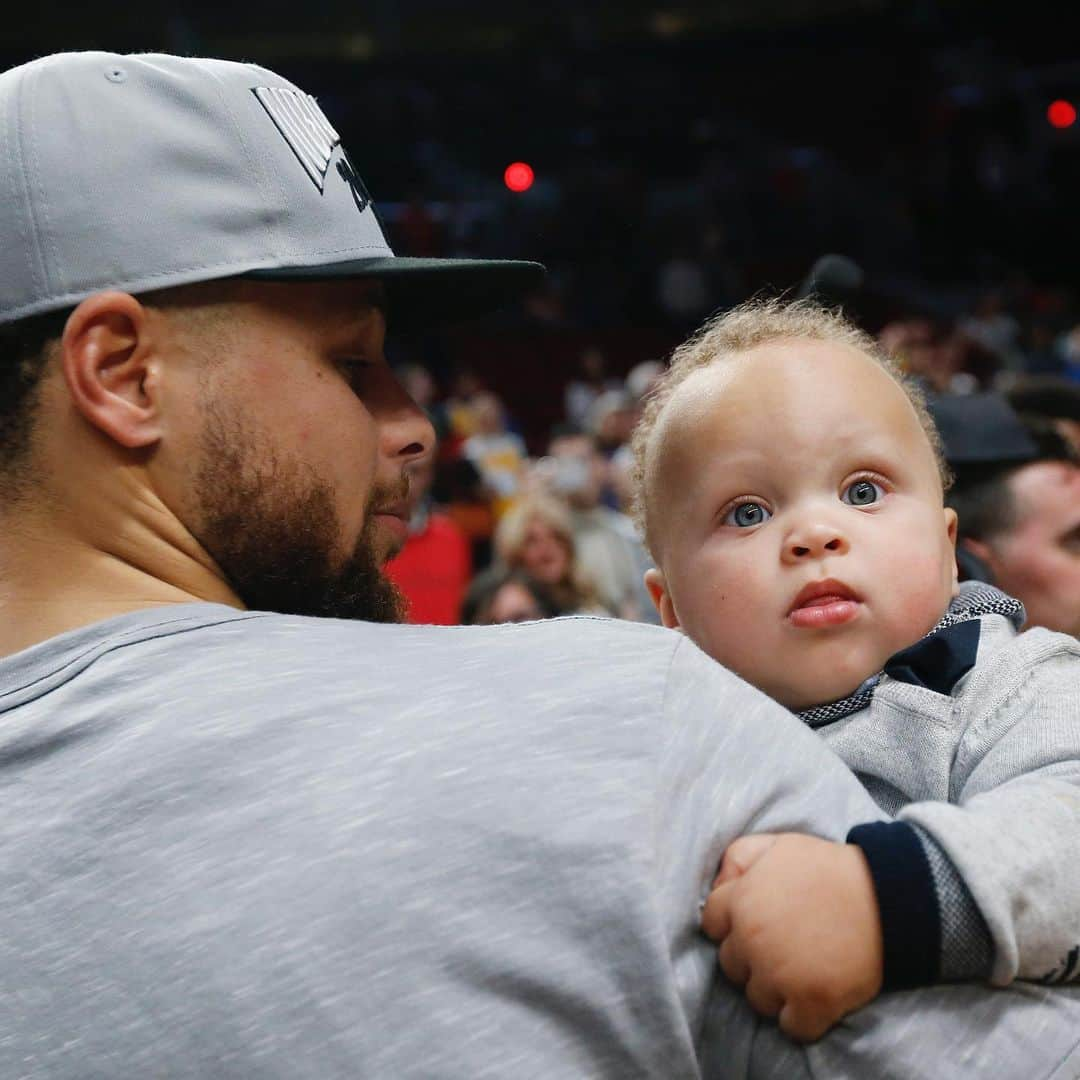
(519, 176)
(1061, 114)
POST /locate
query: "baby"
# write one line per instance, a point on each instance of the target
(790, 485)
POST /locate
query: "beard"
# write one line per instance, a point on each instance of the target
(273, 530)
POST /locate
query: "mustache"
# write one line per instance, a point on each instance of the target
(388, 494)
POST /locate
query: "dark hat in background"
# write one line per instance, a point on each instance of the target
(981, 432)
(1046, 395)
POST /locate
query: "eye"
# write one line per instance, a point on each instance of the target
(354, 369)
(353, 364)
(862, 493)
(746, 515)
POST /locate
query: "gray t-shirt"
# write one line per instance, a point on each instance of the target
(248, 845)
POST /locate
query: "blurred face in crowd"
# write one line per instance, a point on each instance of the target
(585, 464)
(797, 519)
(488, 415)
(1038, 560)
(295, 471)
(514, 603)
(544, 553)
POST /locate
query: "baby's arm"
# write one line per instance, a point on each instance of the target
(988, 886)
(1011, 831)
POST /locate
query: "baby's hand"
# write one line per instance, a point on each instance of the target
(797, 922)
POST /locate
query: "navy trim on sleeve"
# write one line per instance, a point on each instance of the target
(907, 901)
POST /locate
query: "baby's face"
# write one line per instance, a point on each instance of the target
(797, 518)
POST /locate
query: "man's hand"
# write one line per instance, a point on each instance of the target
(797, 922)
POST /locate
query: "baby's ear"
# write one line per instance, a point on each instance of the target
(951, 522)
(661, 598)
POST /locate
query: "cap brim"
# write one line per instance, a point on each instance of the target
(425, 293)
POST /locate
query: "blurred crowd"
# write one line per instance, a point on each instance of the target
(499, 534)
(506, 528)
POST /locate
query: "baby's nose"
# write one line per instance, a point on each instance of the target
(815, 541)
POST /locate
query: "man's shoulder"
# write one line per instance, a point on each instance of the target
(576, 650)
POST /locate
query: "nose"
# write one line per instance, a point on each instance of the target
(814, 540)
(406, 432)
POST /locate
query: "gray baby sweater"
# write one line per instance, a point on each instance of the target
(979, 875)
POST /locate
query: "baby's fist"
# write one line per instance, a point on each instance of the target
(797, 922)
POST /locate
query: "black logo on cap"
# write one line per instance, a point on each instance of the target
(356, 185)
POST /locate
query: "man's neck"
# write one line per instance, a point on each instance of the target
(52, 582)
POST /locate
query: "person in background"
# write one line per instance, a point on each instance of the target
(420, 385)
(536, 536)
(498, 453)
(1016, 493)
(580, 393)
(502, 595)
(433, 568)
(640, 383)
(611, 421)
(1052, 398)
(610, 552)
(642, 378)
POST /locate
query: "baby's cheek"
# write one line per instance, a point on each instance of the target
(918, 608)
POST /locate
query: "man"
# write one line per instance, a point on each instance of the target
(1024, 525)
(239, 843)
(1017, 497)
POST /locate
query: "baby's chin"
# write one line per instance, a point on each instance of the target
(812, 692)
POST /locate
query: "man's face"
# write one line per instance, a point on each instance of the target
(296, 480)
(797, 517)
(1038, 561)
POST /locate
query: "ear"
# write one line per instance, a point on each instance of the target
(951, 521)
(656, 583)
(109, 363)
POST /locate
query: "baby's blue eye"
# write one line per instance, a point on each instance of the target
(863, 493)
(746, 515)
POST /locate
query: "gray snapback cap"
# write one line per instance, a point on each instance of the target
(148, 171)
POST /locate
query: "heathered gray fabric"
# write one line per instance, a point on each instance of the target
(967, 949)
(992, 775)
(244, 845)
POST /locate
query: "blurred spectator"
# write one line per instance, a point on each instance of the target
(611, 420)
(420, 385)
(1056, 400)
(640, 383)
(433, 568)
(642, 379)
(1017, 498)
(682, 288)
(502, 595)
(460, 490)
(583, 391)
(1023, 524)
(460, 405)
(915, 344)
(608, 546)
(995, 330)
(536, 536)
(1070, 352)
(1045, 357)
(498, 454)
